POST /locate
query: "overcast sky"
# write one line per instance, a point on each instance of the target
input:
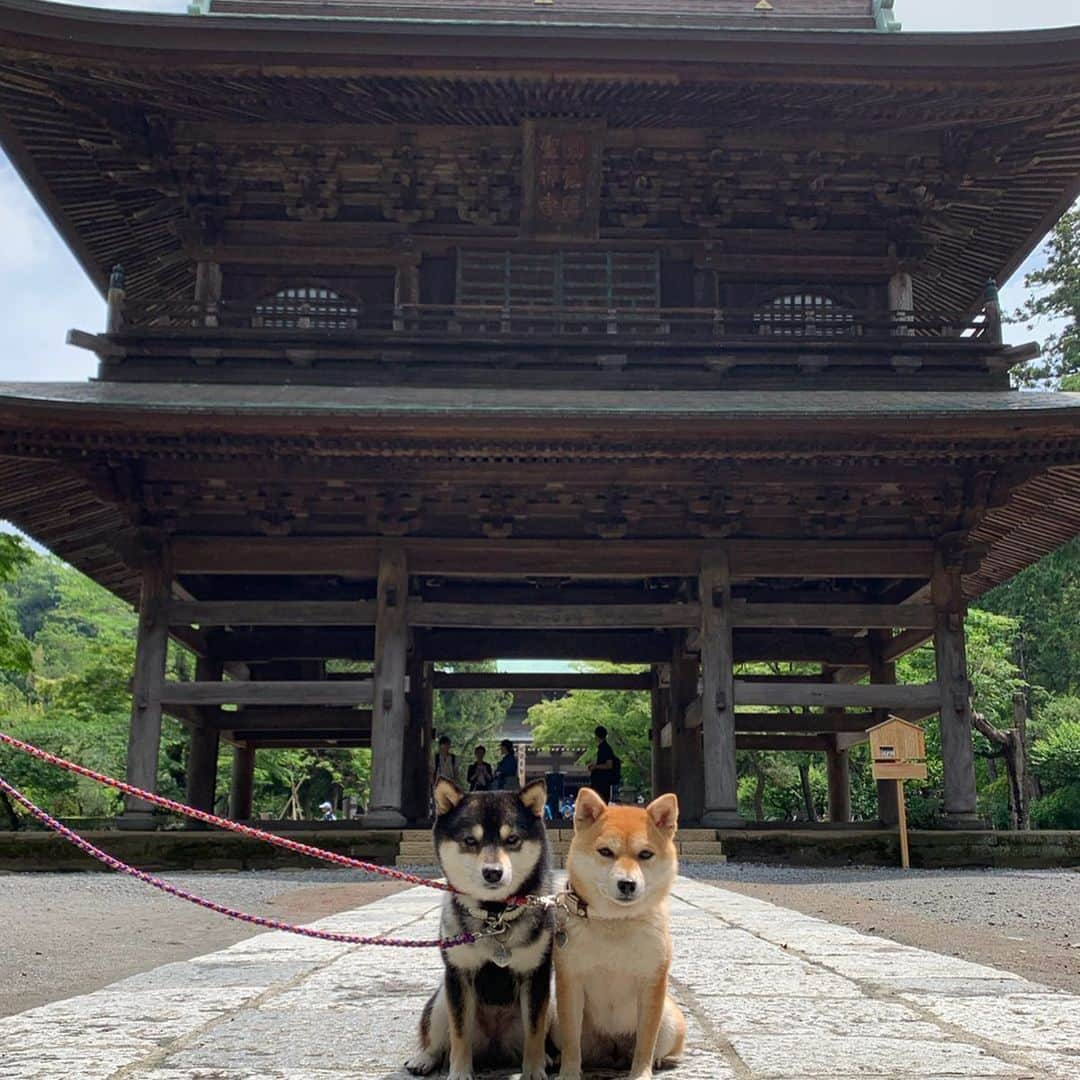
(45, 292)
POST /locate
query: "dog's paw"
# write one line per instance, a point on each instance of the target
(422, 1063)
(534, 1072)
(455, 1075)
(564, 1075)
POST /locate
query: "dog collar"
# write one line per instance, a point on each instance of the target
(569, 901)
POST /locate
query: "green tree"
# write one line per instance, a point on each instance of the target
(470, 718)
(1045, 599)
(627, 715)
(15, 654)
(1055, 295)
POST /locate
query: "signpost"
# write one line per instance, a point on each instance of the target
(898, 752)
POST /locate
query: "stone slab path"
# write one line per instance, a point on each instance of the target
(768, 992)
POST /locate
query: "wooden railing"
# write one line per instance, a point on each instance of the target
(436, 322)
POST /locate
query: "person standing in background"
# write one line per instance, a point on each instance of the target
(479, 774)
(506, 771)
(445, 765)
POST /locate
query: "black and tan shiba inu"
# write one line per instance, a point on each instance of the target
(611, 972)
(492, 1007)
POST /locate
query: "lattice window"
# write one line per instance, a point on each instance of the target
(805, 315)
(560, 279)
(306, 307)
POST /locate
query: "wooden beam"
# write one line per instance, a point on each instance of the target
(272, 613)
(802, 722)
(838, 696)
(832, 616)
(268, 693)
(433, 614)
(300, 742)
(289, 718)
(830, 558)
(905, 642)
(816, 723)
(784, 742)
(292, 644)
(578, 558)
(553, 616)
(617, 646)
(553, 680)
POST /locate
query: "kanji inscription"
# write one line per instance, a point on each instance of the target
(562, 179)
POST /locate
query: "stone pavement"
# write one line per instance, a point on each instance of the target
(768, 993)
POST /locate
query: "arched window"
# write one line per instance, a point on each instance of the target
(306, 307)
(804, 315)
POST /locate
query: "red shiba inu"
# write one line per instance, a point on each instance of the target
(611, 969)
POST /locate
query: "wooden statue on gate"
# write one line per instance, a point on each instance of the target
(898, 752)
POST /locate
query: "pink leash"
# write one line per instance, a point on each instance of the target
(232, 826)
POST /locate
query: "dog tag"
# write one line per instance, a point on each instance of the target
(560, 939)
(502, 955)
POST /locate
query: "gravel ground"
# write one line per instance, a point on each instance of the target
(67, 934)
(1027, 921)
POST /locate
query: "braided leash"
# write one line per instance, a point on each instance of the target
(242, 916)
(231, 826)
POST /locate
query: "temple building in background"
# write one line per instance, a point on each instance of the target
(661, 332)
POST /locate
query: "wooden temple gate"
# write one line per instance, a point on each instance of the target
(692, 641)
(662, 338)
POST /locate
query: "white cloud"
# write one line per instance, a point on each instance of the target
(931, 15)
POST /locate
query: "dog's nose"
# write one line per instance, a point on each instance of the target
(627, 887)
(493, 874)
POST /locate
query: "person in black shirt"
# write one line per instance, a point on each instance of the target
(506, 771)
(602, 770)
(479, 773)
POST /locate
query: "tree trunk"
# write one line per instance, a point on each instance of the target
(1012, 750)
(9, 812)
(807, 794)
(759, 791)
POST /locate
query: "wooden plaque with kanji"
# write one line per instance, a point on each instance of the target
(561, 181)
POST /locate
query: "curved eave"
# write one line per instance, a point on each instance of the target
(824, 417)
(43, 27)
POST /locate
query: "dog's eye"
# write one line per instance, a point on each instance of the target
(606, 852)
(513, 841)
(471, 842)
(645, 854)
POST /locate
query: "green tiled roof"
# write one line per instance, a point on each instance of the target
(219, 399)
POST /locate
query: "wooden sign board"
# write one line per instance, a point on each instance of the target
(894, 744)
(898, 753)
(562, 161)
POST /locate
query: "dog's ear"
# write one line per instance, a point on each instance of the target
(534, 796)
(664, 812)
(447, 796)
(587, 808)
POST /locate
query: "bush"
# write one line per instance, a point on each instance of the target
(1058, 810)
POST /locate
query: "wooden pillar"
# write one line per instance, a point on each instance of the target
(390, 712)
(687, 762)
(883, 672)
(242, 789)
(950, 651)
(660, 773)
(418, 752)
(839, 770)
(203, 746)
(151, 648)
(718, 693)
